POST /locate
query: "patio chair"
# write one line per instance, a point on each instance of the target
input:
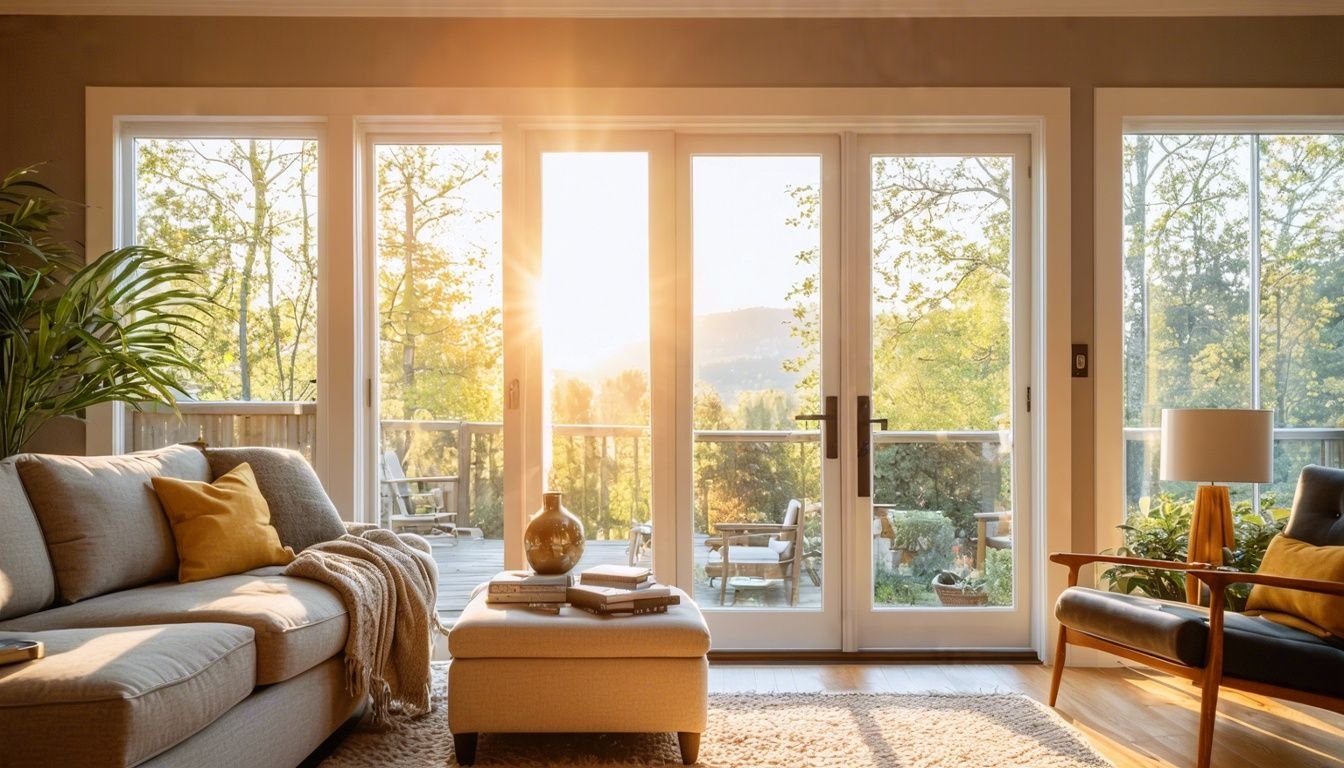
(993, 530)
(418, 504)
(762, 551)
(641, 542)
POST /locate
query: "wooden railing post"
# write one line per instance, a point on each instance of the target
(463, 488)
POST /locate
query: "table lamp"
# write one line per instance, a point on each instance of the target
(1215, 445)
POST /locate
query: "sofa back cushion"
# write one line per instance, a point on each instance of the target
(26, 582)
(301, 511)
(101, 519)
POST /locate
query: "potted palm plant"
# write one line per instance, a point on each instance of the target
(73, 335)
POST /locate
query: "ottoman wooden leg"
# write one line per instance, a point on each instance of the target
(464, 744)
(690, 746)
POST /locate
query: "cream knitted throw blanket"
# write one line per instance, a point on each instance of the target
(389, 584)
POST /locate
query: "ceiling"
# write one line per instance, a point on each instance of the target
(677, 8)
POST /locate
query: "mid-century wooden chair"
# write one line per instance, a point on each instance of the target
(1211, 646)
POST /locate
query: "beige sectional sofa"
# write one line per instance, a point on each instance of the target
(142, 670)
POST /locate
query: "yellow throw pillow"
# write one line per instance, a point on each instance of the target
(222, 527)
(1298, 559)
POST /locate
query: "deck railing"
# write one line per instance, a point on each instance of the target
(605, 453)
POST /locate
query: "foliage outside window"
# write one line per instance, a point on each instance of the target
(1233, 293)
(244, 212)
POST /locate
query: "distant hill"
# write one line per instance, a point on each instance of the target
(734, 351)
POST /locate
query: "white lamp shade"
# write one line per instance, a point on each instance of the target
(1218, 445)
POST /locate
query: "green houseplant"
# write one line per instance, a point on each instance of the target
(1159, 529)
(74, 335)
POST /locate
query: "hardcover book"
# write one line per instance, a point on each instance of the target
(506, 582)
(636, 606)
(615, 574)
(588, 595)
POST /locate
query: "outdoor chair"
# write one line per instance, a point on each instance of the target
(760, 551)
(417, 504)
(993, 530)
(1211, 646)
(641, 543)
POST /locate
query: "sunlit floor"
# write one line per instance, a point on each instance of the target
(1132, 715)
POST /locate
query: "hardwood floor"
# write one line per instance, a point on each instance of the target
(1133, 715)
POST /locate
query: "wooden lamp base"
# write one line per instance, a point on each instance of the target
(1210, 531)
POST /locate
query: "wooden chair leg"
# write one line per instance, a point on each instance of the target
(464, 747)
(690, 747)
(1060, 650)
(1208, 716)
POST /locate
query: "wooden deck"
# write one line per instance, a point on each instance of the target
(465, 563)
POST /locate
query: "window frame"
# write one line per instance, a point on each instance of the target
(1161, 110)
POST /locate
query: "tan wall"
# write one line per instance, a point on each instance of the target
(49, 61)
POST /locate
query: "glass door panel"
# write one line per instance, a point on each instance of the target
(760, 479)
(947, 220)
(594, 315)
(440, 377)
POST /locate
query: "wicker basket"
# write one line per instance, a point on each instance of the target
(953, 594)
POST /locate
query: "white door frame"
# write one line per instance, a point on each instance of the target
(944, 628)
(784, 628)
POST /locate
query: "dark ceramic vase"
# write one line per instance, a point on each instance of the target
(554, 538)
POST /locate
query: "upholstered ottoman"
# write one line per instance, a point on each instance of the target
(519, 671)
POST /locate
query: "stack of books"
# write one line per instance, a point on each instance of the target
(525, 589)
(607, 589)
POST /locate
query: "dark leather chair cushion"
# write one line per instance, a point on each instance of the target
(1318, 507)
(1261, 650)
(1174, 631)
(1253, 648)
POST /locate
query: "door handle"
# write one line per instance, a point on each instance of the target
(830, 420)
(864, 448)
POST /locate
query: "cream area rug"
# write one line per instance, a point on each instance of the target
(841, 730)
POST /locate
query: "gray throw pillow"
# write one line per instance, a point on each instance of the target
(27, 584)
(301, 511)
(102, 521)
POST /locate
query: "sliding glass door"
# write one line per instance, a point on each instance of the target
(791, 380)
(938, 336)
(760, 248)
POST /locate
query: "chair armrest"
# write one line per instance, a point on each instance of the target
(1218, 580)
(1075, 561)
(994, 517)
(1078, 560)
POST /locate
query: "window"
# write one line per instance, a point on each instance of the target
(1233, 294)
(244, 210)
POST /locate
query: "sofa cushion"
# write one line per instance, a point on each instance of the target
(298, 623)
(1255, 648)
(117, 698)
(301, 511)
(221, 528)
(101, 519)
(26, 580)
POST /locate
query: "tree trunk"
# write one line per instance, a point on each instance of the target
(408, 279)
(249, 262)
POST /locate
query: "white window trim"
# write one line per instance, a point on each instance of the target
(347, 113)
(1194, 110)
